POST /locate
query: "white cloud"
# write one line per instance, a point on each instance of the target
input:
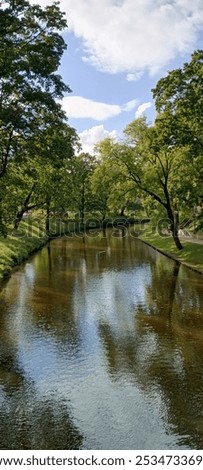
(79, 107)
(95, 134)
(142, 108)
(130, 105)
(134, 35)
(134, 77)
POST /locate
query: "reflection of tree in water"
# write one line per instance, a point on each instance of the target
(11, 375)
(27, 423)
(163, 353)
(120, 351)
(176, 363)
(63, 267)
(161, 292)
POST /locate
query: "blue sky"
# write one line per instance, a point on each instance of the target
(117, 51)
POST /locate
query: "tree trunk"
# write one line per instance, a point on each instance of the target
(122, 212)
(5, 156)
(82, 217)
(18, 218)
(177, 242)
(3, 229)
(47, 222)
(25, 207)
(82, 212)
(175, 230)
(173, 217)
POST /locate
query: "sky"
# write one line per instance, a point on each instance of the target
(117, 51)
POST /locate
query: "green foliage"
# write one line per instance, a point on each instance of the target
(152, 164)
(179, 102)
(80, 170)
(162, 163)
(30, 52)
(35, 140)
(109, 181)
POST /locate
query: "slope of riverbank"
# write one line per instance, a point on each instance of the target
(19, 245)
(191, 255)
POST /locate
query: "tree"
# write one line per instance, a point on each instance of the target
(32, 122)
(81, 168)
(179, 103)
(30, 52)
(113, 190)
(150, 165)
(41, 181)
(158, 169)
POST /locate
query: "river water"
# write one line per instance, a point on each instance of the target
(101, 347)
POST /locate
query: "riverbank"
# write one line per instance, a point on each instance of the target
(31, 237)
(191, 256)
(19, 245)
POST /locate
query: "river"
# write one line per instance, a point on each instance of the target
(101, 347)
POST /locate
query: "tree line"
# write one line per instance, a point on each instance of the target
(158, 166)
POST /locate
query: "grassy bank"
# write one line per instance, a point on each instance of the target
(19, 245)
(191, 255)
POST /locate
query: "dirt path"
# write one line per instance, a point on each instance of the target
(191, 239)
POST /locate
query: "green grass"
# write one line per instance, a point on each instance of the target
(19, 245)
(192, 253)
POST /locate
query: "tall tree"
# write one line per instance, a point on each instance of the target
(114, 192)
(179, 103)
(154, 168)
(81, 168)
(157, 168)
(30, 52)
(40, 178)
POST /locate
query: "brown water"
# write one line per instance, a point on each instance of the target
(101, 347)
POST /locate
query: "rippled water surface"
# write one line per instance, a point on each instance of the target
(101, 347)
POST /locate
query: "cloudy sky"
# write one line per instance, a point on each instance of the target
(117, 51)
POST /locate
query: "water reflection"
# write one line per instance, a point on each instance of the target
(175, 320)
(28, 423)
(101, 347)
(164, 352)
